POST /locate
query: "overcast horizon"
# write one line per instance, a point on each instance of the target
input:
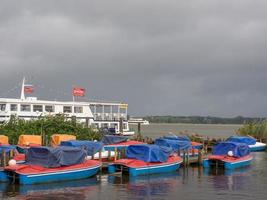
(182, 58)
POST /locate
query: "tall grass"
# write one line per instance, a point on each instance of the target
(255, 129)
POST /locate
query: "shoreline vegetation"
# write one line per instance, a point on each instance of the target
(202, 119)
(254, 127)
(59, 124)
(46, 127)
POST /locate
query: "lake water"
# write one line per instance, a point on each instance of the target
(186, 184)
(209, 130)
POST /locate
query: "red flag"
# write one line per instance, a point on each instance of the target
(28, 89)
(78, 92)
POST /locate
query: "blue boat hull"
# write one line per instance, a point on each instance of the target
(229, 165)
(260, 148)
(163, 168)
(57, 176)
(3, 176)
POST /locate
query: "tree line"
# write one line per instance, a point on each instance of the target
(201, 119)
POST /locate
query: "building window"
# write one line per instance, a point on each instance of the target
(78, 109)
(92, 108)
(25, 108)
(37, 108)
(67, 109)
(2, 107)
(13, 107)
(49, 108)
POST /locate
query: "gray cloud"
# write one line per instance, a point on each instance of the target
(199, 57)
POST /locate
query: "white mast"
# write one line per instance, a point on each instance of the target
(22, 96)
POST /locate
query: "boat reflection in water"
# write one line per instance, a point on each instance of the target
(148, 186)
(79, 189)
(232, 180)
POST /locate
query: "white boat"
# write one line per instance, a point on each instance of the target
(110, 115)
(138, 120)
(259, 146)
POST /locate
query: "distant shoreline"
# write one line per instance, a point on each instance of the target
(161, 123)
(239, 120)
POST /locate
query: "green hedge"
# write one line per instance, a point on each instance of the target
(47, 126)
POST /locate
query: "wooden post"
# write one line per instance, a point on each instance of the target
(124, 153)
(100, 159)
(109, 155)
(139, 128)
(4, 158)
(184, 158)
(116, 152)
(12, 153)
(121, 125)
(200, 157)
(100, 155)
(187, 157)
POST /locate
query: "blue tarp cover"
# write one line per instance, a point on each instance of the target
(148, 153)
(7, 148)
(242, 139)
(238, 149)
(176, 137)
(113, 139)
(174, 144)
(91, 147)
(55, 157)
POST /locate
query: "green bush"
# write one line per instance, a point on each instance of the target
(47, 126)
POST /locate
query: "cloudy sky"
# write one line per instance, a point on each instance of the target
(176, 57)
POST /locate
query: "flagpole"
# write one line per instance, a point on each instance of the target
(73, 98)
(22, 95)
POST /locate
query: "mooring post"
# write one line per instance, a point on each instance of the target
(121, 125)
(187, 157)
(139, 128)
(4, 158)
(100, 159)
(200, 157)
(184, 158)
(116, 152)
(12, 153)
(109, 155)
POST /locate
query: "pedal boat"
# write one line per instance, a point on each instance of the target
(229, 155)
(250, 141)
(145, 160)
(44, 164)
